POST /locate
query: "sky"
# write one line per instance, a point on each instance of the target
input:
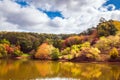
(55, 16)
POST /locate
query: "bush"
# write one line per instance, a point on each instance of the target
(55, 54)
(91, 53)
(85, 44)
(70, 56)
(113, 53)
(76, 48)
(17, 53)
(103, 44)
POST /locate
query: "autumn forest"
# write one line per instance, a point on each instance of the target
(100, 43)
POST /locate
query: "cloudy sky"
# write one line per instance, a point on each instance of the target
(55, 16)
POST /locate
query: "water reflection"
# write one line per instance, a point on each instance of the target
(36, 70)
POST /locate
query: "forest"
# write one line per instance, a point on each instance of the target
(100, 43)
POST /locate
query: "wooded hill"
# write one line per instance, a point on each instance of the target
(100, 39)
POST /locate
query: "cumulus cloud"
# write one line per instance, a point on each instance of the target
(20, 18)
(78, 15)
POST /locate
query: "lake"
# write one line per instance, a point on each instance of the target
(37, 70)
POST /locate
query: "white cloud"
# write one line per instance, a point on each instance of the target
(22, 18)
(79, 15)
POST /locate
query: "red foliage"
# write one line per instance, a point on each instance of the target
(94, 34)
(73, 40)
(10, 49)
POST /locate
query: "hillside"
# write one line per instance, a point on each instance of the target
(100, 43)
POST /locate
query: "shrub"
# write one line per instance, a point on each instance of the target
(86, 44)
(113, 53)
(95, 52)
(76, 47)
(103, 44)
(55, 54)
(90, 53)
(106, 43)
(70, 56)
(17, 53)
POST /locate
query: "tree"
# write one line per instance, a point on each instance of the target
(26, 41)
(44, 51)
(58, 43)
(55, 54)
(106, 28)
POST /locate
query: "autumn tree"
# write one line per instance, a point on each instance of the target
(107, 43)
(44, 51)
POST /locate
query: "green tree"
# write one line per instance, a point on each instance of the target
(4, 41)
(106, 28)
(55, 54)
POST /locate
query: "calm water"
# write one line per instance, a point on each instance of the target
(37, 70)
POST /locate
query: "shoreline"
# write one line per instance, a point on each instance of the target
(62, 60)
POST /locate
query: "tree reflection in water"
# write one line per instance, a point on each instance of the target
(31, 70)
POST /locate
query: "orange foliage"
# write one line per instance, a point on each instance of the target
(117, 24)
(44, 51)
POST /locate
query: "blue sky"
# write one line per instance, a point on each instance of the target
(50, 14)
(55, 16)
(22, 3)
(115, 2)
